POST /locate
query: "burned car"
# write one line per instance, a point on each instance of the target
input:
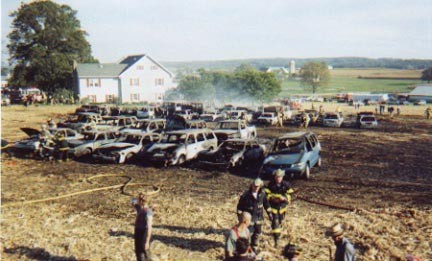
(116, 123)
(32, 144)
(80, 121)
(125, 148)
(268, 118)
(333, 119)
(231, 129)
(233, 153)
(177, 147)
(91, 141)
(146, 126)
(296, 153)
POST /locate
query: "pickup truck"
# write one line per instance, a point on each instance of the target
(231, 129)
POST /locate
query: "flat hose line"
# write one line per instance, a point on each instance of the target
(121, 186)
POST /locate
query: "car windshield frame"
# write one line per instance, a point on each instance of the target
(227, 125)
(177, 138)
(295, 145)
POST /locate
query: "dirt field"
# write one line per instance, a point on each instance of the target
(385, 174)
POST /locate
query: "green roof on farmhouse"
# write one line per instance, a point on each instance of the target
(100, 69)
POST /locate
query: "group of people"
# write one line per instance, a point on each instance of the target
(52, 146)
(243, 239)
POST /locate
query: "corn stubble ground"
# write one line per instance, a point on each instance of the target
(386, 174)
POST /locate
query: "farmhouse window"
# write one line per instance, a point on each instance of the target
(109, 98)
(153, 67)
(134, 97)
(93, 82)
(140, 67)
(159, 81)
(134, 81)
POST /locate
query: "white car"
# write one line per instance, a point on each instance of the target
(332, 120)
(146, 126)
(211, 116)
(368, 122)
(146, 113)
(91, 141)
(177, 147)
(268, 118)
(125, 148)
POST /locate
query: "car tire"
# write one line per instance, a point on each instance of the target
(87, 152)
(319, 162)
(181, 160)
(129, 157)
(306, 174)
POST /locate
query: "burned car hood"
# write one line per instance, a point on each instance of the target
(117, 145)
(30, 131)
(277, 159)
(219, 156)
(76, 143)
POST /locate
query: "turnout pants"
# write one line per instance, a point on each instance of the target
(140, 252)
(277, 224)
(255, 229)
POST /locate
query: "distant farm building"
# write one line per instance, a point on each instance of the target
(281, 72)
(421, 92)
(369, 97)
(136, 78)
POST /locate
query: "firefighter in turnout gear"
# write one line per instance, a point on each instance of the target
(61, 147)
(254, 201)
(278, 195)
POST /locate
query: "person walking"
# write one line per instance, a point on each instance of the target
(143, 228)
(278, 194)
(254, 201)
(344, 249)
(240, 230)
(428, 113)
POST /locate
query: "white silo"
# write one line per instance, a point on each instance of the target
(292, 67)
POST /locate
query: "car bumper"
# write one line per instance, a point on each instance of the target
(291, 172)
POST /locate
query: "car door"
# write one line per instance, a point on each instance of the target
(314, 153)
(192, 147)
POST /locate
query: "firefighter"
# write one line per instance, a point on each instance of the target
(61, 147)
(428, 113)
(254, 201)
(280, 116)
(278, 194)
(305, 120)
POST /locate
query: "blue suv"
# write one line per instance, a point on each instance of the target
(296, 153)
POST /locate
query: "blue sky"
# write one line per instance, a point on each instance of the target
(184, 30)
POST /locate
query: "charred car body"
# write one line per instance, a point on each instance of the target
(233, 153)
(232, 129)
(146, 126)
(296, 153)
(91, 141)
(125, 148)
(177, 147)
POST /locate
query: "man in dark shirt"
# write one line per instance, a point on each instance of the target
(344, 248)
(255, 202)
(143, 228)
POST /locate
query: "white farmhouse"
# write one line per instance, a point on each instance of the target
(136, 78)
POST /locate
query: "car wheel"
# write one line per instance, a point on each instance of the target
(181, 160)
(306, 174)
(87, 152)
(319, 163)
(129, 157)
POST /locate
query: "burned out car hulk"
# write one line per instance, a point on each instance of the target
(177, 147)
(232, 129)
(296, 153)
(125, 148)
(233, 153)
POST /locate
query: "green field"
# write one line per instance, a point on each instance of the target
(347, 80)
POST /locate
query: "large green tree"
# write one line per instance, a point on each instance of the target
(427, 75)
(46, 39)
(314, 75)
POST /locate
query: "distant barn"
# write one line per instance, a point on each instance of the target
(421, 92)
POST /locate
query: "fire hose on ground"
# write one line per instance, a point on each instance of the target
(156, 189)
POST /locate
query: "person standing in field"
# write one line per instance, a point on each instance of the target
(254, 201)
(240, 230)
(344, 249)
(143, 228)
(280, 116)
(428, 113)
(278, 194)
